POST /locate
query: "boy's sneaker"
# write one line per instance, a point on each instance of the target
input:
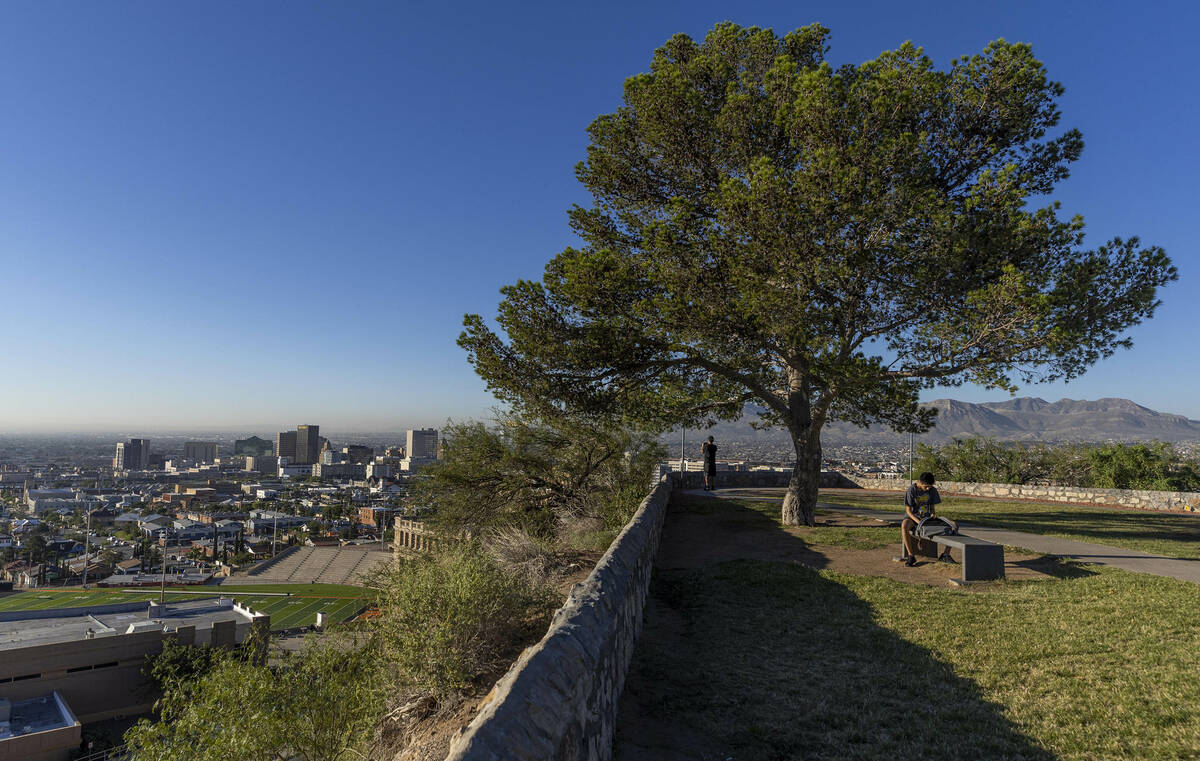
(945, 558)
(910, 561)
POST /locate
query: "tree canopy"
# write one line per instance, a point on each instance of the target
(822, 240)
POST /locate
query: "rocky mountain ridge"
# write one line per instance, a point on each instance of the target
(1020, 419)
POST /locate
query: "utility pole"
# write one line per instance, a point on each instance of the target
(162, 595)
(87, 536)
(910, 456)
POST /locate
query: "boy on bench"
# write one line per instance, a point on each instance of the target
(919, 502)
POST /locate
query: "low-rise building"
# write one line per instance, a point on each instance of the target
(94, 656)
(40, 728)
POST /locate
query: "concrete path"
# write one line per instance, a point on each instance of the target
(1086, 552)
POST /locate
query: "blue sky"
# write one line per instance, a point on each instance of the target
(256, 214)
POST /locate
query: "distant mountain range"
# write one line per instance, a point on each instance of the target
(1022, 419)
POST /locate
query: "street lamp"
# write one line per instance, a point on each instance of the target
(87, 536)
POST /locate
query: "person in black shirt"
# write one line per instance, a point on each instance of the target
(709, 450)
(919, 502)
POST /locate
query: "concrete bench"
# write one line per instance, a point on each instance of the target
(981, 560)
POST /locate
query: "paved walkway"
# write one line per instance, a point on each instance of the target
(1086, 552)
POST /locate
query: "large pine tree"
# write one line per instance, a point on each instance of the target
(823, 241)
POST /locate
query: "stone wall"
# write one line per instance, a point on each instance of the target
(559, 700)
(751, 479)
(1133, 498)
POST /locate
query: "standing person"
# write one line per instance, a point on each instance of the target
(709, 450)
(919, 502)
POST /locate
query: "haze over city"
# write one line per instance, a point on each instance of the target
(230, 217)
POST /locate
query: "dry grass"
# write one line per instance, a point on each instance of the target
(521, 554)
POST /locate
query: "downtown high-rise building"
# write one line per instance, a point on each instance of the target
(285, 445)
(200, 451)
(421, 444)
(308, 445)
(132, 455)
(301, 446)
(253, 446)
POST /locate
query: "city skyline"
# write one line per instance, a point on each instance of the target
(176, 178)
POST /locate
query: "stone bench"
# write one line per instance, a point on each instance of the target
(981, 560)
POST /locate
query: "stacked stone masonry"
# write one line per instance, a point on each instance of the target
(1177, 501)
(559, 700)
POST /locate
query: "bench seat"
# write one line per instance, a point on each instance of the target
(981, 560)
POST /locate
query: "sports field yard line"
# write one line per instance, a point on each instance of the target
(285, 615)
(341, 612)
(294, 617)
(338, 614)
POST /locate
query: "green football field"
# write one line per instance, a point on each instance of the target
(287, 612)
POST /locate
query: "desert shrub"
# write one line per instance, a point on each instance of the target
(319, 705)
(521, 554)
(453, 616)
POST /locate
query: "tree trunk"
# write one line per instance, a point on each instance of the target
(800, 502)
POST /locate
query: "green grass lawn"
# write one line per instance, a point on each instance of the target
(752, 659)
(1170, 535)
(297, 610)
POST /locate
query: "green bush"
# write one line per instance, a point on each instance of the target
(1154, 466)
(454, 616)
(318, 705)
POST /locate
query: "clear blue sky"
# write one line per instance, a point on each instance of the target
(259, 214)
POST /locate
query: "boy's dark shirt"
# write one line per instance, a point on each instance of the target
(921, 502)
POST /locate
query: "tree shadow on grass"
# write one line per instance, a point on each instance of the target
(760, 660)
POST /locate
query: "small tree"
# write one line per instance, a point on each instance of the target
(538, 475)
(824, 241)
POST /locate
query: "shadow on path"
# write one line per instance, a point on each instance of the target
(751, 659)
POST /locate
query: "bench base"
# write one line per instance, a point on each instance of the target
(981, 560)
(966, 583)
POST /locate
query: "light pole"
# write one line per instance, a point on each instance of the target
(162, 595)
(274, 533)
(910, 455)
(87, 536)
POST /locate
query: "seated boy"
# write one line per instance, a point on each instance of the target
(919, 502)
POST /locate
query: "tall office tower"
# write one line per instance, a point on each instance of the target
(200, 451)
(358, 454)
(285, 445)
(422, 444)
(308, 444)
(132, 455)
(253, 446)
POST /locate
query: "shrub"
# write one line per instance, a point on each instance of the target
(454, 616)
(316, 705)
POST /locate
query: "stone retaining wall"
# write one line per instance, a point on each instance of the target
(752, 479)
(1142, 500)
(559, 700)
